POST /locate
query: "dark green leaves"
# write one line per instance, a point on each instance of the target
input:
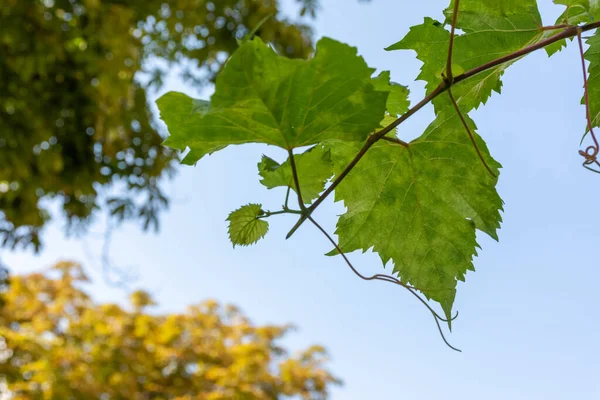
(261, 97)
(314, 168)
(420, 206)
(245, 228)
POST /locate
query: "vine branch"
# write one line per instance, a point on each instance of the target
(568, 32)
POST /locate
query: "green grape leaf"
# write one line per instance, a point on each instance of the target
(261, 97)
(510, 16)
(576, 12)
(420, 205)
(397, 102)
(492, 29)
(245, 228)
(314, 169)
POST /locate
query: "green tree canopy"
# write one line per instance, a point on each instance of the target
(75, 126)
(56, 343)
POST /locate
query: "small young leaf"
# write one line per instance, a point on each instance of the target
(245, 228)
(314, 168)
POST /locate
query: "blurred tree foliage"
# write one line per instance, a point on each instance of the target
(4, 281)
(56, 343)
(75, 127)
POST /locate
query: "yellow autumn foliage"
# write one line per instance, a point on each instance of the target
(57, 344)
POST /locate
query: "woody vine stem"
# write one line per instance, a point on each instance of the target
(590, 154)
(567, 32)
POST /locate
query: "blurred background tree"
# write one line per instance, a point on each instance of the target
(75, 126)
(56, 343)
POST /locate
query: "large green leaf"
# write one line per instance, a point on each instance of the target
(420, 205)
(245, 228)
(492, 29)
(314, 168)
(261, 97)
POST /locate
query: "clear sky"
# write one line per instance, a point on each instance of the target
(529, 316)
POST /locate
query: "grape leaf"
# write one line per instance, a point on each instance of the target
(420, 206)
(245, 228)
(492, 29)
(576, 12)
(261, 97)
(314, 169)
(397, 102)
(509, 16)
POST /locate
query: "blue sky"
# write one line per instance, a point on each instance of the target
(529, 320)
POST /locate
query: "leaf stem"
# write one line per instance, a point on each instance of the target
(287, 197)
(449, 77)
(441, 88)
(286, 210)
(395, 140)
(470, 133)
(253, 32)
(555, 27)
(296, 180)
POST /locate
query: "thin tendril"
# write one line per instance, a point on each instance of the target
(449, 79)
(591, 152)
(468, 129)
(386, 278)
